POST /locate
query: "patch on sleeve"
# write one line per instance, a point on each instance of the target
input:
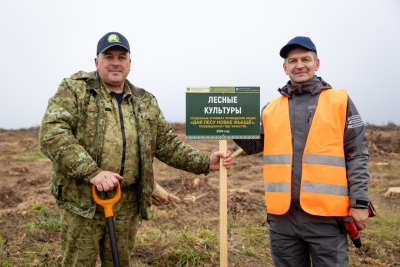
(354, 122)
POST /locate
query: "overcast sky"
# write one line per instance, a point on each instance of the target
(182, 43)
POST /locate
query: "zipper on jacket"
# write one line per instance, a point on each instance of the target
(309, 117)
(309, 120)
(121, 172)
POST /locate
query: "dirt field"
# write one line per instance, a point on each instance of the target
(24, 183)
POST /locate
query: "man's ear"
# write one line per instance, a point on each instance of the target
(285, 67)
(96, 63)
(317, 64)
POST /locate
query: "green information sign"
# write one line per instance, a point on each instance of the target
(222, 112)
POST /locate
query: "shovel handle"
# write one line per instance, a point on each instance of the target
(107, 204)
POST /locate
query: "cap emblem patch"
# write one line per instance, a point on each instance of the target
(113, 38)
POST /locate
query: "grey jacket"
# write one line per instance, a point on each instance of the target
(303, 100)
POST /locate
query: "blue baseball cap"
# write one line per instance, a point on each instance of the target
(112, 39)
(299, 41)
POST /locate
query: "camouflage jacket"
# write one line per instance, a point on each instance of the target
(82, 133)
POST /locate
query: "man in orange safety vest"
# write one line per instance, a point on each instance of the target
(315, 164)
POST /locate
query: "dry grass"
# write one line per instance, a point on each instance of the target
(189, 236)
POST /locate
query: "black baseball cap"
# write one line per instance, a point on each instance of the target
(112, 39)
(299, 41)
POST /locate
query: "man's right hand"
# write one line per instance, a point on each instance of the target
(105, 180)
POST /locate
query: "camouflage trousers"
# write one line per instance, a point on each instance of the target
(83, 239)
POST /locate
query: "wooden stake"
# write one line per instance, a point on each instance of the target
(223, 208)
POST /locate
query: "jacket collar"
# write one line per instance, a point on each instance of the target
(94, 82)
(312, 86)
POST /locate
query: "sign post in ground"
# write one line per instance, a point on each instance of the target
(223, 113)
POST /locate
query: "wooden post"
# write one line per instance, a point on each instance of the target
(223, 208)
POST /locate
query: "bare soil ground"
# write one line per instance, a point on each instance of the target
(24, 184)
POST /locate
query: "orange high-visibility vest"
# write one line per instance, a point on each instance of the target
(324, 187)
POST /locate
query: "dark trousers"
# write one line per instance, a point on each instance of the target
(298, 239)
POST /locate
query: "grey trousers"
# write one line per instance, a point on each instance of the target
(298, 239)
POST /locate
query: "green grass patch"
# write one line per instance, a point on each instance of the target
(249, 252)
(152, 215)
(47, 221)
(385, 226)
(168, 226)
(253, 235)
(200, 245)
(177, 247)
(384, 169)
(377, 190)
(31, 156)
(34, 247)
(140, 239)
(210, 220)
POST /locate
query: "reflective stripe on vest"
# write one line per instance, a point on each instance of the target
(324, 188)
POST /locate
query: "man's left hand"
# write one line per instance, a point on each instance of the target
(360, 217)
(160, 196)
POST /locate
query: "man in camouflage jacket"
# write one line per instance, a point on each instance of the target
(100, 129)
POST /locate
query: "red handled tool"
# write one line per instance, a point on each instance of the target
(352, 229)
(108, 205)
